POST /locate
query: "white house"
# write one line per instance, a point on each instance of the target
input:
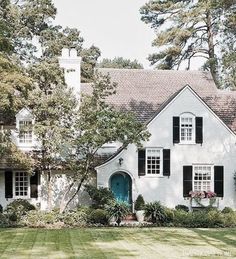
(192, 144)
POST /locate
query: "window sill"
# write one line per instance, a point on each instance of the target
(154, 176)
(187, 143)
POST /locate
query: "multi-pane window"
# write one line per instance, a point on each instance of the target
(186, 128)
(202, 179)
(21, 184)
(25, 131)
(153, 161)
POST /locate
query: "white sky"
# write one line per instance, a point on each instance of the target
(112, 25)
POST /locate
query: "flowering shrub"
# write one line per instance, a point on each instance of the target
(202, 194)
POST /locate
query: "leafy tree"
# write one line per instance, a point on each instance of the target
(119, 62)
(229, 48)
(186, 30)
(10, 155)
(26, 30)
(98, 123)
(55, 38)
(14, 88)
(53, 106)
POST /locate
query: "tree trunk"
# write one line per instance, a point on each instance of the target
(75, 193)
(63, 203)
(211, 49)
(49, 190)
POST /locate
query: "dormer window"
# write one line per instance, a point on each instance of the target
(187, 132)
(25, 131)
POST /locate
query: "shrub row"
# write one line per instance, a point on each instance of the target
(22, 213)
(181, 217)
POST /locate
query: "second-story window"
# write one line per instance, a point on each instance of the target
(25, 131)
(187, 133)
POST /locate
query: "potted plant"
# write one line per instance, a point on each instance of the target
(139, 207)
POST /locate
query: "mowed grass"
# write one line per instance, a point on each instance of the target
(118, 243)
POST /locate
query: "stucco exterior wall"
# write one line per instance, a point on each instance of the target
(218, 148)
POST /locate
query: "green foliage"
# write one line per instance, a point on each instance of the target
(99, 216)
(16, 209)
(227, 210)
(155, 212)
(198, 219)
(117, 210)
(119, 62)
(189, 29)
(98, 123)
(11, 156)
(182, 207)
(45, 219)
(100, 196)
(139, 203)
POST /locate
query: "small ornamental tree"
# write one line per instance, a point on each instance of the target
(98, 123)
(139, 203)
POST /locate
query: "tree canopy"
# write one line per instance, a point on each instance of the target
(119, 62)
(188, 29)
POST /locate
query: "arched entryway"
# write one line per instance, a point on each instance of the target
(121, 186)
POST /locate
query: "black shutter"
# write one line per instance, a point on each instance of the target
(187, 180)
(34, 182)
(8, 184)
(166, 162)
(175, 129)
(141, 162)
(199, 130)
(219, 181)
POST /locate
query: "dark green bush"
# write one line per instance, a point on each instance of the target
(198, 219)
(155, 212)
(182, 207)
(1, 209)
(4, 222)
(229, 219)
(139, 203)
(99, 216)
(100, 196)
(227, 210)
(18, 208)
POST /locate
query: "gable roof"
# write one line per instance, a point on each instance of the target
(145, 92)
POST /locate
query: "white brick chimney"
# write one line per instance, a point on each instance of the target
(71, 64)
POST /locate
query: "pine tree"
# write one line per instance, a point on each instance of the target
(186, 30)
(119, 62)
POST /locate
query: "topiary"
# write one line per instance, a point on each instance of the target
(139, 203)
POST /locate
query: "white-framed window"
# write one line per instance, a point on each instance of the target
(154, 158)
(203, 178)
(21, 184)
(187, 128)
(25, 131)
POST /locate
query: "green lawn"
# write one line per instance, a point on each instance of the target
(118, 243)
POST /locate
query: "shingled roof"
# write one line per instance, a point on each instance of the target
(144, 91)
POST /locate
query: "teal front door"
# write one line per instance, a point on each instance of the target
(121, 186)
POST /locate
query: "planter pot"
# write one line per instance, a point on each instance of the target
(140, 215)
